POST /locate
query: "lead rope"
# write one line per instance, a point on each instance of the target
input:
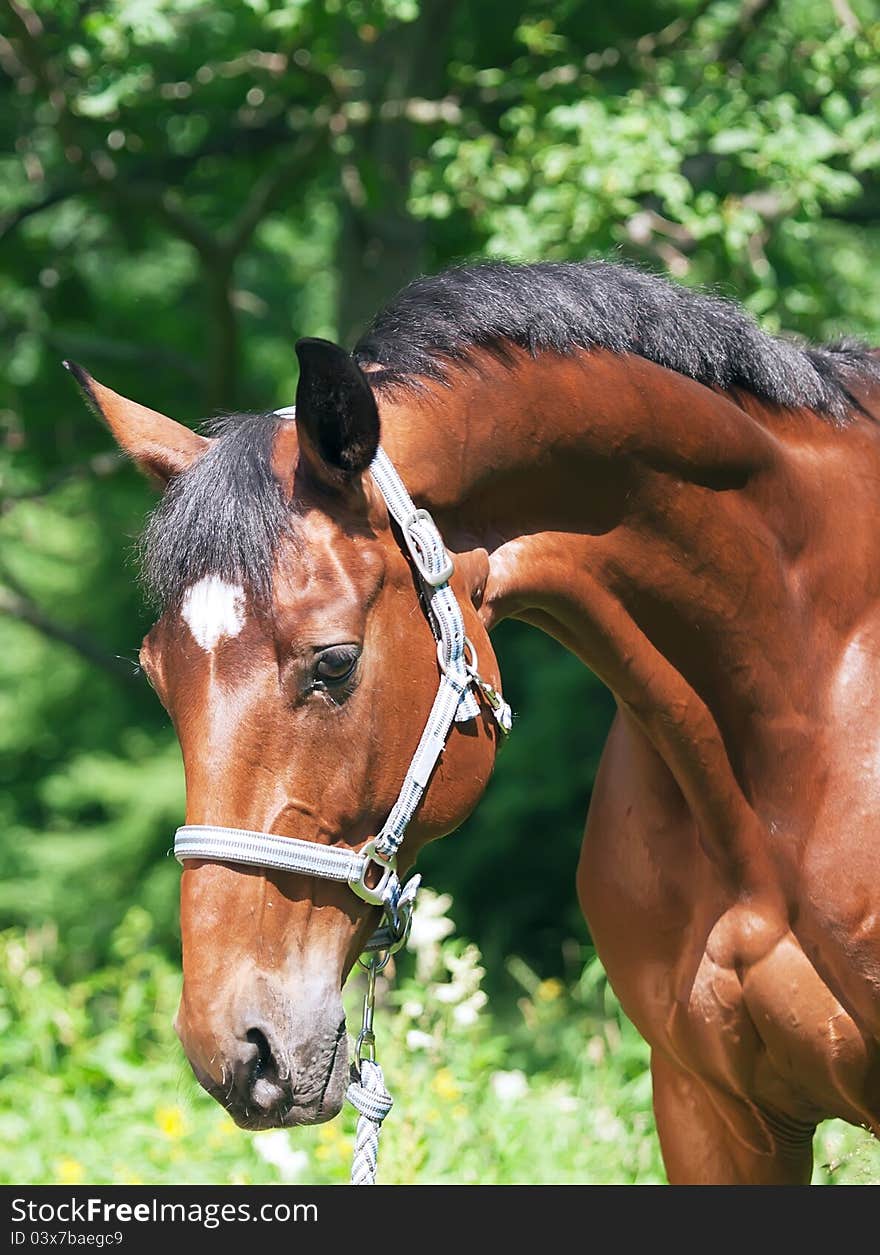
(367, 1092)
(454, 702)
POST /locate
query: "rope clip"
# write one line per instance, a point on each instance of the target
(365, 1047)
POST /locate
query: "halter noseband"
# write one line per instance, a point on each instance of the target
(455, 702)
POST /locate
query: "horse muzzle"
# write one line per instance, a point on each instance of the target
(272, 1072)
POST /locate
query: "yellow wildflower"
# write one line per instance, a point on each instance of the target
(69, 1171)
(220, 1134)
(549, 990)
(332, 1143)
(332, 1134)
(329, 1152)
(170, 1121)
(445, 1085)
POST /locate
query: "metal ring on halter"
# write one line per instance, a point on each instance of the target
(471, 667)
(376, 895)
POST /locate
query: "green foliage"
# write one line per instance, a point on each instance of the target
(94, 1088)
(719, 153)
(184, 189)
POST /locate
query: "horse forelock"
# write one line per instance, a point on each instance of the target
(225, 517)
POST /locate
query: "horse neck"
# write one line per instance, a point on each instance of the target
(641, 519)
(608, 465)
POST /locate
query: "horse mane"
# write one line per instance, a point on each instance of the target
(224, 516)
(439, 320)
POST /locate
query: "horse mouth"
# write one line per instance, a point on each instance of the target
(274, 1103)
(255, 1121)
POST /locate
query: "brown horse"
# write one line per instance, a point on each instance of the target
(693, 509)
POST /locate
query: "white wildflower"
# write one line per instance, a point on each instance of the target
(429, 922)
(467, 964)
(596, 1050)
(274, 1148)
(417, 1040)
(451, 991)
(467, 1013)
(606, 1125)
(509, 1086)
(466, 976)
(430, 926)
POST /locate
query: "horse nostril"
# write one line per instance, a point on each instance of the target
(262, 1084)
(264, 1060)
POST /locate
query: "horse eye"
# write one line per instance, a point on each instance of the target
(335, 664)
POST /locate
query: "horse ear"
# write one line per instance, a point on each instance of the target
(336, 416)
(160, 446)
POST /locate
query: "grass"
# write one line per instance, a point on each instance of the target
(551, 1088)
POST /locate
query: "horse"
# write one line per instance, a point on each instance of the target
(688, 504)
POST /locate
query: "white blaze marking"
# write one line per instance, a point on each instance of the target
(212, 609)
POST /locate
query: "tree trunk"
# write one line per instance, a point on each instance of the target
(380, 246)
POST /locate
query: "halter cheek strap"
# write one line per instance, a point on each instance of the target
(455, 702)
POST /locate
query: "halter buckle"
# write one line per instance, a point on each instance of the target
(376, 895)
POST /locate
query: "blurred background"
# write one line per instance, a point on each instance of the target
(186, 188)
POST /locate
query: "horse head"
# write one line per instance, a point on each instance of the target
(295, 657)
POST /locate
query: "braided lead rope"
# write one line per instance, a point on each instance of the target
(366, 1091)
(368, 1095)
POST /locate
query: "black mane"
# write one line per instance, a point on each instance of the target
(227, 514)
(562, 306)
(224, 516)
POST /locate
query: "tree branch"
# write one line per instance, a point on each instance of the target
(12, 220)
(32, 56)
(265, 196)
(86, 347)
(167, 205)
(845, 16)
(18, 605)
(672, 35)
(752, 13)
(97, 467)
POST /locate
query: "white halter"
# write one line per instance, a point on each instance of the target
(455, 702)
